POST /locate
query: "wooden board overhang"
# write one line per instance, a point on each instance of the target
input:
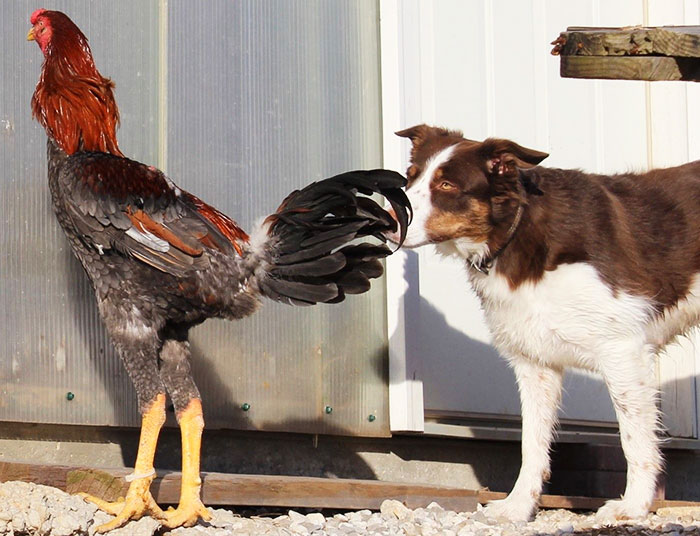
(630, 53)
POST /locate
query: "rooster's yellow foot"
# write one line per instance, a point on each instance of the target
(138, 503)
(186, 514)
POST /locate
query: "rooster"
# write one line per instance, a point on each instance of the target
(161, 260)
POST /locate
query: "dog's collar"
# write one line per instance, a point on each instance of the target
(524, 183)
(486, 263)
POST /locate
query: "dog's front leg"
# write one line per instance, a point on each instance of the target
(540, 394)
(631, 381)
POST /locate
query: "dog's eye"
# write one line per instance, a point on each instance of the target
(444, 185)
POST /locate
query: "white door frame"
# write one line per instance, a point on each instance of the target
(398, 63)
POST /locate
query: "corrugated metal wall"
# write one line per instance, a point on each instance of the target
(262, 98)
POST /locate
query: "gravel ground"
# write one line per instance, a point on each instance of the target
(30, 509)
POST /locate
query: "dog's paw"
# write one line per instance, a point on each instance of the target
(511, 508)
(620, 509)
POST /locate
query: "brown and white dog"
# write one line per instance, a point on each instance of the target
(573, 270)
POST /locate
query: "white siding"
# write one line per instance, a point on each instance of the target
(485, 67)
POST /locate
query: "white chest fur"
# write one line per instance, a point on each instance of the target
(568, 318)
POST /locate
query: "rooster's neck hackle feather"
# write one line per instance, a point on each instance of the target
(72, 100)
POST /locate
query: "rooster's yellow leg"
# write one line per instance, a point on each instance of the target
(138, 501)
(190, 509)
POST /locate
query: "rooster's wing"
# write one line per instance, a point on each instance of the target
(117, 205)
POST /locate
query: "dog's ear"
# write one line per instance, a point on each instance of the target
(504, 156)
(419, 134)
(422, 132)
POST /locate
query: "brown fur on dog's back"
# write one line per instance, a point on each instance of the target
(640, 231)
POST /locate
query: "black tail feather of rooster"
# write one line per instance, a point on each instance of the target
(315, 238)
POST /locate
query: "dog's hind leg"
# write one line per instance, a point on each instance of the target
(540, 394)
(631, 381)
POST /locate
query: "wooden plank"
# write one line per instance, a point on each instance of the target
(219, 489)
(582, 503)
(630, 68)
(107, 485)
(38, 474)
(247, 490)
(550, 501)
(682, 41)
(270, 490)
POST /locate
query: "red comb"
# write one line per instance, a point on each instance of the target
(36, 15)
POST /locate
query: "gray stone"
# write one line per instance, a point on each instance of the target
(296, 516)
(672, 527)
(393, 508)
(479, 517)
(435, 507)
(298, 528)
(564, 528)
(316, 518)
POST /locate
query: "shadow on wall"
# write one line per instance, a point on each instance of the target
(458, 372)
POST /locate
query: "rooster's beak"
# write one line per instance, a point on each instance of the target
(30, 34)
